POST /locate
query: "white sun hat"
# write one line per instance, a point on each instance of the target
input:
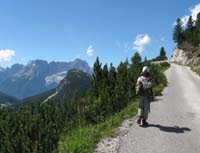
(145, 69)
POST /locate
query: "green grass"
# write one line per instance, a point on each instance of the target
(157, 90)
(84, 139)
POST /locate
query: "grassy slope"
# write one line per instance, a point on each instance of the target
(84, 139)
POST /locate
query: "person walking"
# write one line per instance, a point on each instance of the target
(145, 94)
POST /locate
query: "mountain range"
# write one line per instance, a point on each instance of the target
(37, 76)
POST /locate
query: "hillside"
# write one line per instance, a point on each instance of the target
(187, 50)
(75, 82)
(6, 99)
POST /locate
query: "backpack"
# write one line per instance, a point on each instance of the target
(144, 86)
(146, 82)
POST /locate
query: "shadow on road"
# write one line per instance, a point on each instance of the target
(173, 129)
(157, 99)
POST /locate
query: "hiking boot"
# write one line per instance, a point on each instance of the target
(138, 121)
(145, 123)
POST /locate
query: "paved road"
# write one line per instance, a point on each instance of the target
(174, 118)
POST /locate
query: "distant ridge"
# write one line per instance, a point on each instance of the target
(6, 99)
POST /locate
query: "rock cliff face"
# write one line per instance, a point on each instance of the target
(180, 56)
(187, 56)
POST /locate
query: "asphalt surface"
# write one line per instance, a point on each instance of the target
(174, 119)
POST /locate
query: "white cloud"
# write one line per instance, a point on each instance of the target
(162, 38)
(6, 54)
(193, 12)
(90, 51)
(141, 41)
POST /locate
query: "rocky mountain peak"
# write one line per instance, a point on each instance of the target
(37, 62)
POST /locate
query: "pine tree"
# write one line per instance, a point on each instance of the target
(105, 71)
(104, 88)
(197, 22)
(136, 64)
(97, 78)
(136, 59)
(122, 86)
(162, 55)
(134, 71)
(189, 30)
(111, 85)
(178, 36)
(97, 75)
(190, 23)
(197, 30)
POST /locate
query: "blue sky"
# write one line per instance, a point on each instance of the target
(62, 30)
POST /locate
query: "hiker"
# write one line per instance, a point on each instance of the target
(145, 94)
